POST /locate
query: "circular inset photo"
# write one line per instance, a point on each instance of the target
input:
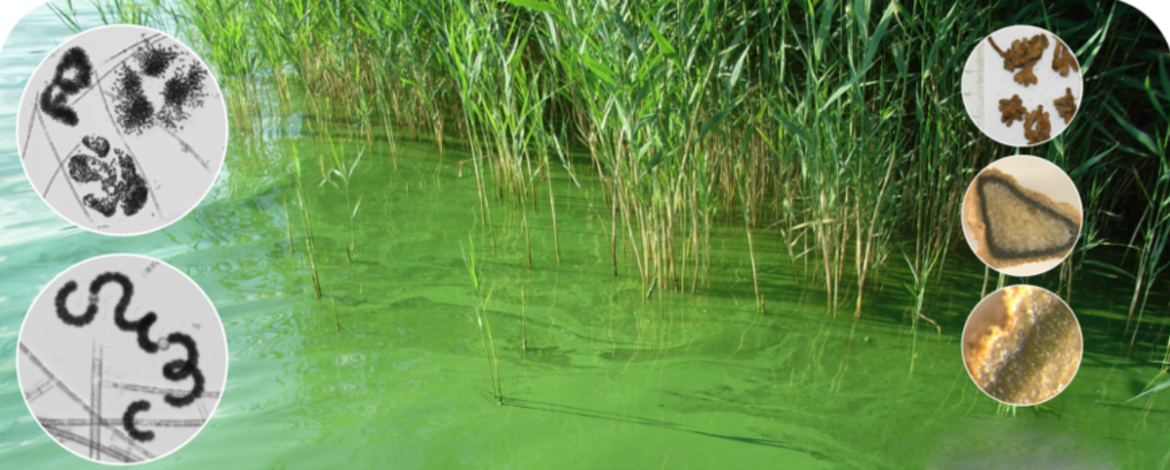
(1022, 86)
(1022, 215)
(122, 130)
(122, 359)
(1022, 345)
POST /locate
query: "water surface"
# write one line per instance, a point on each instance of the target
(388, 368)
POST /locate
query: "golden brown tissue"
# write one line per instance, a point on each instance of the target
(1013, 110)
(1066, 105)
(1012, 225)
(1037, 128)
(1024, 54)
(1063, 60)
(1022, 345)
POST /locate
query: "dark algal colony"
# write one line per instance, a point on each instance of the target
(122, 185)
(154, 60)
(182, 92)
(135, 113)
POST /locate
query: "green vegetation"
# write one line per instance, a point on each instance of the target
(307, 225)
(836, 126)
(622, 372)
(483, 321)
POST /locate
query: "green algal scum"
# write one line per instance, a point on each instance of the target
(833, 125)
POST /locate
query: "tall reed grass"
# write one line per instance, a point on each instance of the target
(836, 125)
(483, 296)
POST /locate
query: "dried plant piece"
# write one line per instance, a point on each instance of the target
(1066, 105)
(1010, 61)
(1037, 128)
(1024, 54)
(1030, 51)
(1062, 59)
(1013, 110)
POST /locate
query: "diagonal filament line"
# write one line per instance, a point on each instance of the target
(76, 399)
(70, 436)
(111, 70)
(60, 163)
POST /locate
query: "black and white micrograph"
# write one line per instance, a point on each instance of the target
(122, 359)
(122, 130)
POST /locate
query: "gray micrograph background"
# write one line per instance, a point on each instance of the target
(102, 368)
(171, 123)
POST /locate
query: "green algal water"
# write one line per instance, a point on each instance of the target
(389, 367)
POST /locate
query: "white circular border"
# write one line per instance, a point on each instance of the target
(963, 343)
(1016, 166)
(20, 114)
(1027, 94)
(161, 263)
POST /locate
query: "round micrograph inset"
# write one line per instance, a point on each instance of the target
(1022, 215)
(122, 130)
(122, 359)
(1022, 86)
(1022, 345)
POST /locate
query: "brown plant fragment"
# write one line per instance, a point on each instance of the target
(1066, 106)
(1062, 59)
(1025, 53)
(1037, 128)
(1013, 110)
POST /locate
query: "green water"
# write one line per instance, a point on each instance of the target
(609, 378)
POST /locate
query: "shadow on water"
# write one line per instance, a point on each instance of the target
(660, 424)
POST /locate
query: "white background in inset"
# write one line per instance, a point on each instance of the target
(69, 353)
(179, 165)
(985, 82)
